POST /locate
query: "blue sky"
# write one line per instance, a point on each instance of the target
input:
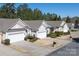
(62, 9)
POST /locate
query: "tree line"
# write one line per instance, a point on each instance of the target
(9, 10)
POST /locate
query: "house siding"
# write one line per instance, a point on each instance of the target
(42, 32)
(63, 27)
(16, 36)
(19, 24)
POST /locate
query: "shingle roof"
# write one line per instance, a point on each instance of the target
(6, 24)
(69, 25)
(34, 24)
(54, 23)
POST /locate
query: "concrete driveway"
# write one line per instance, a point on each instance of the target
(36, 49)
(25, 48)
(22, 48)
(7, 51)
(30, 48)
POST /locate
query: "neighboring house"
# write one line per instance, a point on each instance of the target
(13, 29)
(76, 26)
(58, 26)
(38, 28)
(73, 26)
(63, 27)
(53, 25)
(16, 29)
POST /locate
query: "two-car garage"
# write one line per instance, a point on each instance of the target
(15, 36)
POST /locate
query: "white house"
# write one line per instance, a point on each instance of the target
(16, 29)
(63, 27)
(53, 25)
(58, 26)
(38, 28)
(13, 29)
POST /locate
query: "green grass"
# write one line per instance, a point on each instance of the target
(57, 34)
(74, 30)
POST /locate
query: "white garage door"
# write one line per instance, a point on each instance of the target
(14, 37)
(41, 34)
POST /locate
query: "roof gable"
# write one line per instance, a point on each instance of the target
(6, 24)
(19, 25)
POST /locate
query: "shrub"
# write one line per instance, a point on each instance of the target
(25, 38)
(33, 40)
(52, 35)
(55, 34)
(30, 38)
(6, 42)
(67, 33)
(74, 30)
(59, 33)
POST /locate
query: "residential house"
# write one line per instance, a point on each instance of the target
(13, 29)
(73, 26)
(58, 26)
(16, 29)
(75, 23)
(38, 28)
(63, 27)
(53, 25)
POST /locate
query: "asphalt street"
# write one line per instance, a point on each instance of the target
(71, 49)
